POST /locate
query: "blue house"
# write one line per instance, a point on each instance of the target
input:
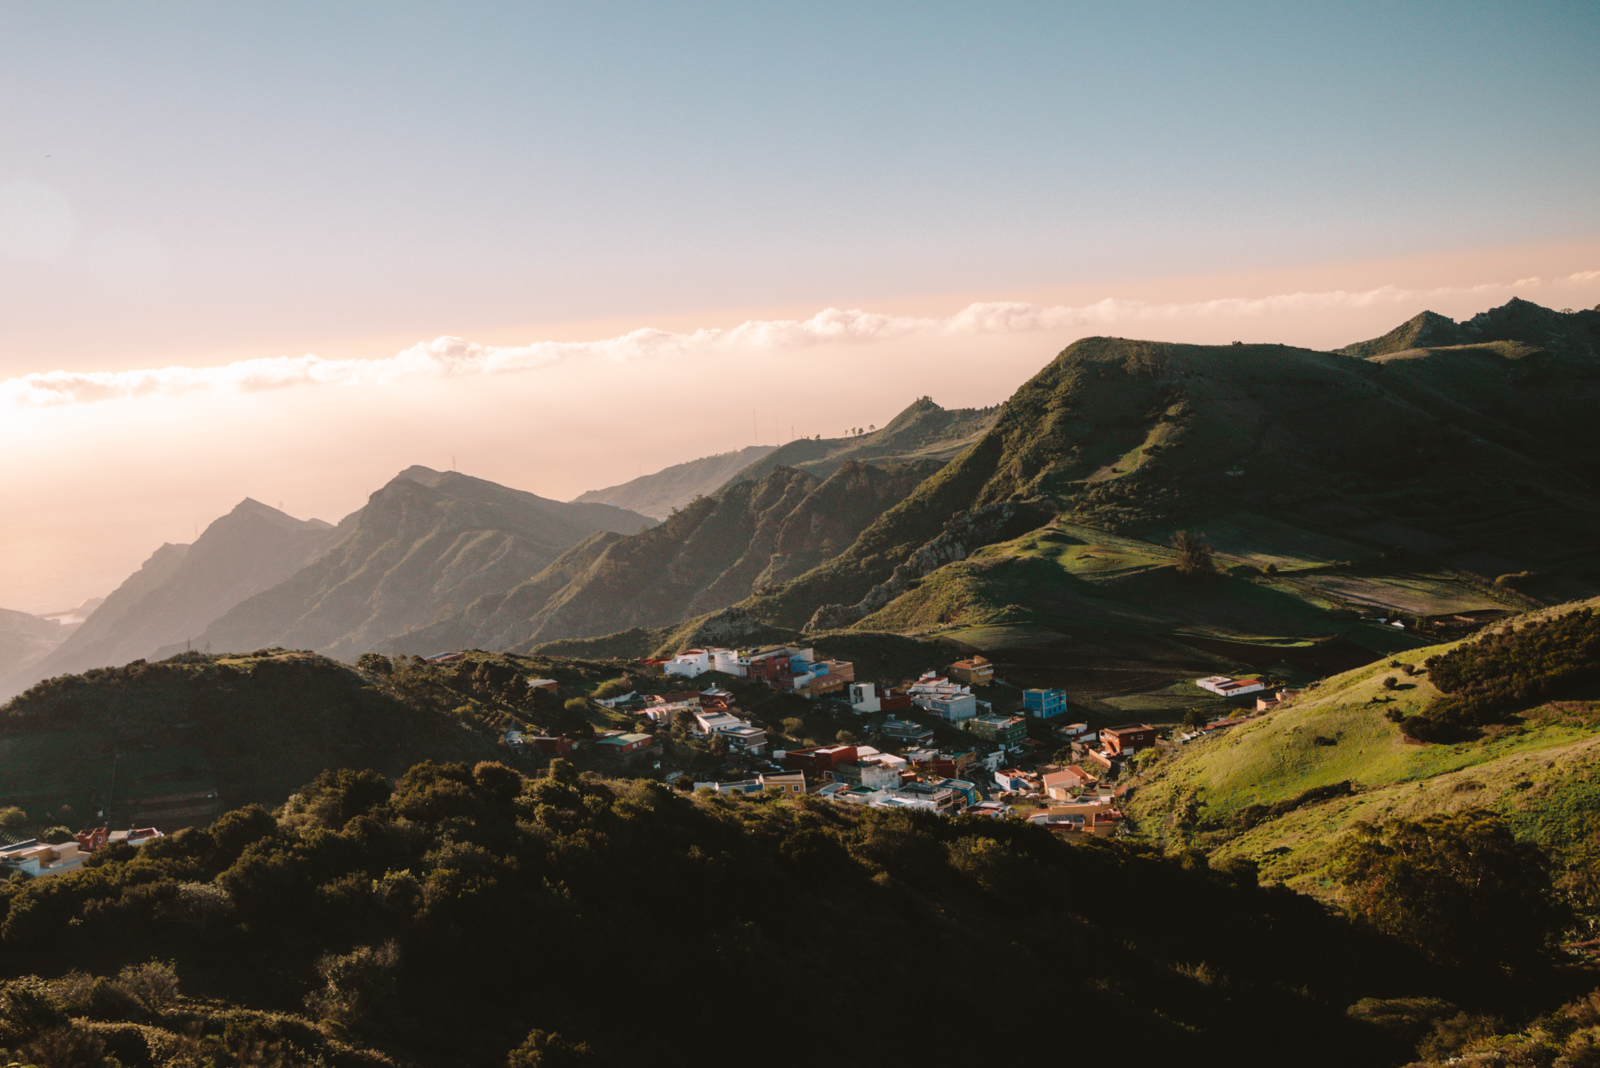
(1044, 704)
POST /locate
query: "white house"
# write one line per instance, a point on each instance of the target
(864, 698)
(943, 698)
(712, 722)
(689, 663)
(1223, 686)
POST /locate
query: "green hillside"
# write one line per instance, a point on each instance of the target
(1283, 788)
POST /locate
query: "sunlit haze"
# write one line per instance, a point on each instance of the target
(286, 252)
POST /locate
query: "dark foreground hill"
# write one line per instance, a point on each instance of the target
(161, 742)
(464, 912)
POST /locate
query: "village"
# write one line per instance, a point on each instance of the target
(931, 743)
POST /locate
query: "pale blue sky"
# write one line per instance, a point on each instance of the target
(298, 172)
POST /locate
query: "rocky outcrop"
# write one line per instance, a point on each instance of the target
(732, 627)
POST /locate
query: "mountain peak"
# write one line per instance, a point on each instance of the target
(1427, 329)
(426, 476)
(251, 506)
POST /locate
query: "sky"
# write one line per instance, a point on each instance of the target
(285, 251)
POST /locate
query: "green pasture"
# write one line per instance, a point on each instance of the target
(1542, 775)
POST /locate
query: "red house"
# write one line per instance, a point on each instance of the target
(893, 700)
(1129, 738)
(820, 762)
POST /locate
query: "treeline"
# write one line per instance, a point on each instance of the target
(464, 913)
(1484, 681)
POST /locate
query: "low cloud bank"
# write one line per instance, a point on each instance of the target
(453, 357)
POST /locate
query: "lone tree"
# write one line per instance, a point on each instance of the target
(1194, 555)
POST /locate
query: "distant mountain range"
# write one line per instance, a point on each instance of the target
(183, 588)
(660, 494)
(924, 431)
(710, 554)
(424, 545)
(1405, 474)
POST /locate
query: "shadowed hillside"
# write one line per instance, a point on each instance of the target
(671, 488)
(704, 557)
(424, 546)
(1406, 482)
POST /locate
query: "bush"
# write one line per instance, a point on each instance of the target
(356, 984)
(154, 985)
(1458, 887)
(1485, 680)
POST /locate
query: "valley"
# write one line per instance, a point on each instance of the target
(945, 671)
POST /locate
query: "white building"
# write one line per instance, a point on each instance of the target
(689, 663)
(864, 698)
(949, 700)
(712, 722)
(1223, 686)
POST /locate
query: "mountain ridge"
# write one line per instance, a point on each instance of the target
(658, 494)
(703, 558)
(425, 542)
(182, 589)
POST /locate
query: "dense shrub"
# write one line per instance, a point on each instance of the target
(1485, 681)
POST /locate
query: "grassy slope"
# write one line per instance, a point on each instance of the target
(1540, 774)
